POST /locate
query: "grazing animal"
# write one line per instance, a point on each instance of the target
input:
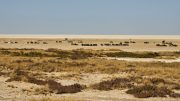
(74, 44)
(65, 39)
(107, 44)
(163, 42)
(161, 45)
(132, 42)
(111, 42)
(89, 44)
(146, 42)
(120, 43)
(173, 45)
(127, 42)
(45, 43)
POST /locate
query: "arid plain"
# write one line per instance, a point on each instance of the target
(89, 68)
(96, 42)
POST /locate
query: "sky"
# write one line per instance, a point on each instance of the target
(121, 17)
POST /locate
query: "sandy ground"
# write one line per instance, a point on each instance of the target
(145, 59)
(17, 91)
(65, 45)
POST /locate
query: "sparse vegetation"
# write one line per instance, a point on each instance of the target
(81, 53)
(134, 55)
(146, 91)
(19, 75)
(57, 88)
(117, 83)
(144, 79)
(52, 86)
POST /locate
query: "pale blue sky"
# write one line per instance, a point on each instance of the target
(90, 17)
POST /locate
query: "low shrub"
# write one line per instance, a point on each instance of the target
(19, 75)
(146, 91)
(55, 87)
(79, 54)
(117, 83)
(133, 55)
(23, 60)
(5, 52)
(52, 86)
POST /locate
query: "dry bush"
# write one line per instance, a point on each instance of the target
(52, 86)
(132, 54)
(146, 91)
(52, 50)
(117, 83)
(5, 52)
(55, 87)
(23, 60)
(168, 84)
(154, 81)
(19, 75)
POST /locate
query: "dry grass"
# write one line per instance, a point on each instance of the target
(51, 86)
(57, 88)
(19, 75)
(141, 87)
(117, 83)
(22, 65)
(146, 91)
(53, 99)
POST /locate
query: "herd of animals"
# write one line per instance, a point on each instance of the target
(111, 43)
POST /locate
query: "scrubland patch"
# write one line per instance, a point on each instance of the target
(143, 79)
(51, 86)
(146, 91)
(117, 83)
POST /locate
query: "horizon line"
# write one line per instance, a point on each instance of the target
(92, 36)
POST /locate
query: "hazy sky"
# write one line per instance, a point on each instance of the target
(90, 17)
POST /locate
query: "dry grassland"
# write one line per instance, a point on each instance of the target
(46, 67)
